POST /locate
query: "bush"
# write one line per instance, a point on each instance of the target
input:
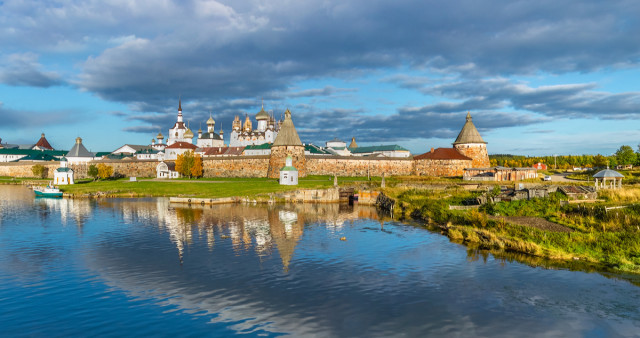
(104, 171)
(93, 171)
(40, 171)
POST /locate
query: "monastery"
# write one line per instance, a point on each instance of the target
(264, 151)
(245, 135)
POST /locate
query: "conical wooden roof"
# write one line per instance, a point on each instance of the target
(287, 135)
(469, 133)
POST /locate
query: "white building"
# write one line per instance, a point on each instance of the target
(288, 173)
(179, 132)
(79, 154)
(64, 174)
(177, 148)
(244, 134)
(337, 147)
(210, 138)
(166, 170)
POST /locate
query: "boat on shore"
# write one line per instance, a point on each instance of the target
(48, 191)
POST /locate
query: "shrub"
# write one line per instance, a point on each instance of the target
(40, 171)
(104, 171)
(93, 171)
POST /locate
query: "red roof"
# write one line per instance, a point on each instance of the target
(234, 150)
(182, 145)
(442, 154)
(212, 151)
(43, 143)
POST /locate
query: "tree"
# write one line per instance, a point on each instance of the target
(104, 171)
(39, 170)
(625, 155)
(197, 169)
(184, 163)
(600, 161)
(93, 171)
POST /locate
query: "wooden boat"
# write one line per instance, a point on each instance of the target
(48, 191)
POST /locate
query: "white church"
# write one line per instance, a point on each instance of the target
(243, 134)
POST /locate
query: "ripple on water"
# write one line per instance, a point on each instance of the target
(129, 267)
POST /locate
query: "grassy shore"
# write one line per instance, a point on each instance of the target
(203, 188)
(594, 234)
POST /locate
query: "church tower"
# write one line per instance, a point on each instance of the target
(287, 143)
(470, 144)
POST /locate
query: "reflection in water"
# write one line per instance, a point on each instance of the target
(145, 267)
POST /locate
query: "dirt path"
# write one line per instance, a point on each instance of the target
(534, 222)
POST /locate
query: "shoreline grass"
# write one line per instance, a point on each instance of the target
(608, 239)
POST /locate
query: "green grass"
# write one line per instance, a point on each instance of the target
(608, 239)
(204, 188)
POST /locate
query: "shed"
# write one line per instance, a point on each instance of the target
(288, 173)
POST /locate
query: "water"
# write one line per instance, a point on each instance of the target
(143, 267)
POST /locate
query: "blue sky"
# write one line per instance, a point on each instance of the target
(539, 77)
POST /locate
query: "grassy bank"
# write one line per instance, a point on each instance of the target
(610, 238)
(201, 188)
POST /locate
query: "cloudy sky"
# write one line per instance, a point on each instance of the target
(539, 77)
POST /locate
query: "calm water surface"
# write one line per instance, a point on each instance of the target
(143, 267)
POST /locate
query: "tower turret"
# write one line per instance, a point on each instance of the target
(469, 143)
(287, 143)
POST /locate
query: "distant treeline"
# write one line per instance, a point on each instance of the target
(623, 156)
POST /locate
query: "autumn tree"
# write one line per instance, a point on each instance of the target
(189, 164)
(197, 169)
(104, 171)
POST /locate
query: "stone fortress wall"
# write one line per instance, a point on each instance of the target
(257, 166)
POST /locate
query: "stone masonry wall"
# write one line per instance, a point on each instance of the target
(258, 166)
(23, 169)
(279, 155)
(440, 168)
(477, 152)
(236, 166)
(354, 166)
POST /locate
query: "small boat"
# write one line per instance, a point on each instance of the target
(48, 191)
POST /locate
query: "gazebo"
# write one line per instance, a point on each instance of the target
(614, 178)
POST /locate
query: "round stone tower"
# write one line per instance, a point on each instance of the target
(470, 144)
(287, 143)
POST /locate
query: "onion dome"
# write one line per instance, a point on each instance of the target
(188, 133)
(469, 133)
(211, 120)
(159, 137)
(262, 115)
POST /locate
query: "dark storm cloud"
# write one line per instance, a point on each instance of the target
(253, 50)
(24, 70)
(406, 124)
(558, 101)
(224, 56)
(326, 91)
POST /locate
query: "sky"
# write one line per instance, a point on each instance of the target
(538, 77)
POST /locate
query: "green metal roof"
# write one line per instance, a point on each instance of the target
(313, 149)
(16, 151)
(288, 168)
(38, 157)
(63, 170)
(372, 149)
(258, 146)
